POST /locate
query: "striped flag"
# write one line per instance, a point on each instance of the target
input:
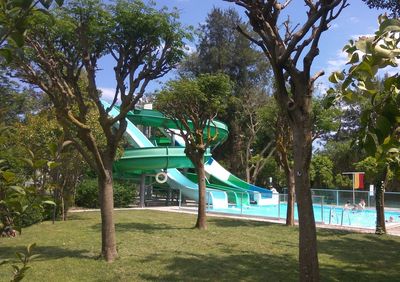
(358, 180)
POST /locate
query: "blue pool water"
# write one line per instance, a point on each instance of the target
(326, 214)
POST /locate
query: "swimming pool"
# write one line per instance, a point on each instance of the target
(323, 214)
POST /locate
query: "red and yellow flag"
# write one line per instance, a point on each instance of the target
(358, 181)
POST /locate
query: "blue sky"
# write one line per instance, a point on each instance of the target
(354, 21)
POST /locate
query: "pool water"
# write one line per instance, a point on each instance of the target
(326, 214)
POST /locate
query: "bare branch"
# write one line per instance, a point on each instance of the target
(316, 76)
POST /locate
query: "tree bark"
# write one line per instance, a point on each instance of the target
(108, 245)
(308, 256)
(201, 214)
(380, 206)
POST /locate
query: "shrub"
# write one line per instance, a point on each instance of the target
(87, 194)
(124, 193)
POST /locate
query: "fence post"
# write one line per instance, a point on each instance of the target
(279, 207)
(322, 209)
(341, 224)
(180, 198)
(337, 197)
(241, 203)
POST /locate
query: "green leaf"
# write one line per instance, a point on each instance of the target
(18, 38)
(364, 66)
(393, 151)
(60, 2)
(336, 76)
(39, 163)
(31, 153)
(6, 54)
(53, 148)
(370, 144)
(24, 4)
(4, 261)
(32, 257)
(387, 140)
(52, 165)
(16, 268)
(355, 58)
(364, 44)
(48, 202)
(28, 161)
(390, 81)
(18, 189)
(8, 176)
(389, 25)
(20, 256)
(30, 247)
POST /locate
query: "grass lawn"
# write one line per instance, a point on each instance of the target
(160, 246)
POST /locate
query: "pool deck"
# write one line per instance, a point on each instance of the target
(391, 228)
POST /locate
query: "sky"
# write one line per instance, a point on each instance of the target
(354, 21)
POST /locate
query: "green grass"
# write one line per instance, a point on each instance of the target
(159, 246)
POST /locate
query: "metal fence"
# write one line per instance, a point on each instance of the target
(329, 206)
(341, 197)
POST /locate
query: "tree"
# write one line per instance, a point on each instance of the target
(291, 53)
(222, 49)
(14, 21)
(145, 44)
(193, 104)
(256, 116)
(380, 123)
(392, 5)
(45, 138)
(321, 171)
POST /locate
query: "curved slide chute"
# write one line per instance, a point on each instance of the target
(219, 175)
(176, 179)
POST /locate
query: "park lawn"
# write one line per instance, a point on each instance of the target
(161, 246)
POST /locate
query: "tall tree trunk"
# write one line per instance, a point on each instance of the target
(308, 256)
(201, 214)
(234, 156)
(106, 197)
(291, 196)
(380, 205)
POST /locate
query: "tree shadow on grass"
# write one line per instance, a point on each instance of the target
(46, 252)
(143, 227)
(226, 222)
(368, 257)
(238, 266)
(81, 216)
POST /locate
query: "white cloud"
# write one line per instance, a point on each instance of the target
(107, 93)
(354, 19)
(337, 63)
(357, 36)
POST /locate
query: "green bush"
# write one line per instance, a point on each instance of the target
(87, 194)
(124, 193)
(32, 215)
(35, 212)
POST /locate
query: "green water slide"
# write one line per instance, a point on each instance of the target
(153, 157)
(218, 175)
(156, 119)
